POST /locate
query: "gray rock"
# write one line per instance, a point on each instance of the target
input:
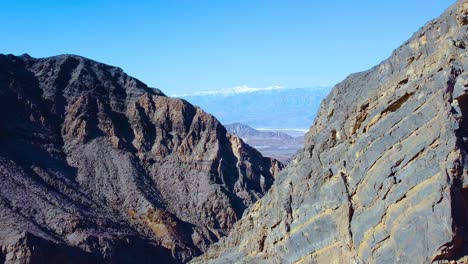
(383, 175)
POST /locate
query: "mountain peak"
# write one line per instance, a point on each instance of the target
(96, 167)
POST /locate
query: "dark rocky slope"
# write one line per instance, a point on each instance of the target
(383, 176)
(97, 167)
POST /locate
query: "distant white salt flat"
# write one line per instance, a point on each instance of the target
(284, 129)
(262, 147)
(295, 132)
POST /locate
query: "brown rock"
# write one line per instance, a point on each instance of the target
(97, 167)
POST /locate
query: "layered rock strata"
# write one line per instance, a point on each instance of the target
(383, 175)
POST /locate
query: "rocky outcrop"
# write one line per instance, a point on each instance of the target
(97, 167)
(383, 175)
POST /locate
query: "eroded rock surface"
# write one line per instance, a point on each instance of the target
(383, 175)
(97, 167)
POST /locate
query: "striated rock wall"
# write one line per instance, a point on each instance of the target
(97, 167)
(383, 175)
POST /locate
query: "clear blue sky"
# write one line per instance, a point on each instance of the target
(187, 46)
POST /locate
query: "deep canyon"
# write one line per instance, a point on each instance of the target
(97, 167)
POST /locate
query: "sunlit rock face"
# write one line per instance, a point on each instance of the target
(95, 167)
(383, 175)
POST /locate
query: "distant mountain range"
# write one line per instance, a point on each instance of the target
(275, 144)
(272, 107)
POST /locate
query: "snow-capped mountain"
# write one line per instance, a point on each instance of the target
(272, 107)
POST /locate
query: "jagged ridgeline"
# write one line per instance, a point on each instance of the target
(97, 167)
(383, 175)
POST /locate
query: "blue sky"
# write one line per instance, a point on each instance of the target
(184, 46)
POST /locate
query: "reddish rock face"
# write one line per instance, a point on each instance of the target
(383, 175)
(97, 167)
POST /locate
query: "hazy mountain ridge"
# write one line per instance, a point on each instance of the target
(275, 144)
(245, 131)
(276, 107)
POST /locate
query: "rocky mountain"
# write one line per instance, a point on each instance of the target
(276, 144)
(273, 107)
(96, 167)
(383, 177)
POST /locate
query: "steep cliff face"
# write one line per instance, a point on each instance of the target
(383, 176)
(97, 167)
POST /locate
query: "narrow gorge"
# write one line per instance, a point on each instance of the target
(97, 167)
